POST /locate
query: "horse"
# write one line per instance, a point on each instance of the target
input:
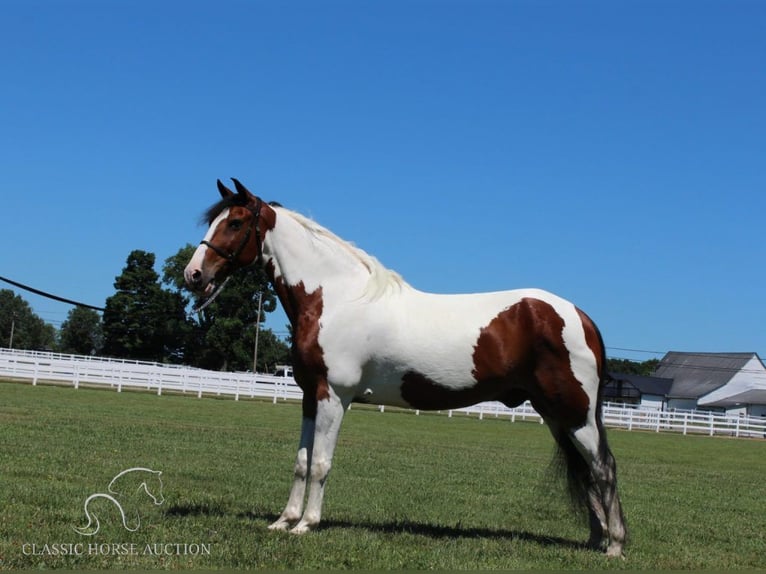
(126, 485)
(362, 334)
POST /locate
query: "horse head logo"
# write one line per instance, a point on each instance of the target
(125, 491)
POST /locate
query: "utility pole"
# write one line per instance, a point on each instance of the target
(257, 331)
(13, 327)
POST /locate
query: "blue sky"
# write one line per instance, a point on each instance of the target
(611, 152)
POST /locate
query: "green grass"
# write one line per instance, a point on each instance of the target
(406, 491)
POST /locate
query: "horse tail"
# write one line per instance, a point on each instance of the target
(604, 379)
(570, 462)
(89, 529)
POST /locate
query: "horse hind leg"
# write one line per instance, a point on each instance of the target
(583, 490)
(604, 501)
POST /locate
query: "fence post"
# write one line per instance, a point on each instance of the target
(710, 422)
(686, 422)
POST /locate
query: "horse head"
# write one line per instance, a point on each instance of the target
(153, 487)
(237, 226)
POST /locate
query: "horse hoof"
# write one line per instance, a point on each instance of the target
(302, 528)
(596, 544)
(615, 551)
(280, 524)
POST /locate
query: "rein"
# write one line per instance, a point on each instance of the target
(231, 258)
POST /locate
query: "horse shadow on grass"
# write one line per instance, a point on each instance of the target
(426, 530)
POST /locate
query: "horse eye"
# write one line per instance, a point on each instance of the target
(235, 224)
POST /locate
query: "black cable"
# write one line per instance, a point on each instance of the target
(50, 296)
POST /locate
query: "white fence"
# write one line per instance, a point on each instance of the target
(620, 416)
(155, 377)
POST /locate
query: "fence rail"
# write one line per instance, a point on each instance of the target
(156, 377)
(120, 374)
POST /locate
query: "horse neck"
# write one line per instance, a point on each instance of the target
(129, 482)
(297, 256)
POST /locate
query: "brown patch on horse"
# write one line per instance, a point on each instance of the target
(282, 291)
(267, 219)
(304, 310)
(505, 346)
(558, 393)
(501, 368)
(420, 392)
(519, 355)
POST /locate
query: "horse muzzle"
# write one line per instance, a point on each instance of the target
(197, 281)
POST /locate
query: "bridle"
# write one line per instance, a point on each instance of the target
(232, 257)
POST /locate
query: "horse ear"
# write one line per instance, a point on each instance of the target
(223, 190)
(241, 189)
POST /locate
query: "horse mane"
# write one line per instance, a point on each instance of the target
(381, 278)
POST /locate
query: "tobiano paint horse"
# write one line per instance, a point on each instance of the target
(362, 334)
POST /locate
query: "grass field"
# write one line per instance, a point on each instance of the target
(414, 492)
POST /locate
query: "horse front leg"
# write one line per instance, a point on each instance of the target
(330, 410)
(292, 512)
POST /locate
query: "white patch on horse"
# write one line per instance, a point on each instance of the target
(583, 362)
(197, 260)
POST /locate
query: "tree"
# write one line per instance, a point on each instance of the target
(629, 367)
(223, 334)
(272, 351)
(20, 327)
(141, 320)
(81, 333)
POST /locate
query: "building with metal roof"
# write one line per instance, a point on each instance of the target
(648, 392)
(735, 382)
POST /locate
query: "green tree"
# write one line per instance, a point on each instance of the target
(629, 367)
(20, 327)
(223, 334)
(81, 333)
(272, 351)
(141, 320)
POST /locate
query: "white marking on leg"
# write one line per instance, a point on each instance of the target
(587, 439)
(292, 512)
(329, 417)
